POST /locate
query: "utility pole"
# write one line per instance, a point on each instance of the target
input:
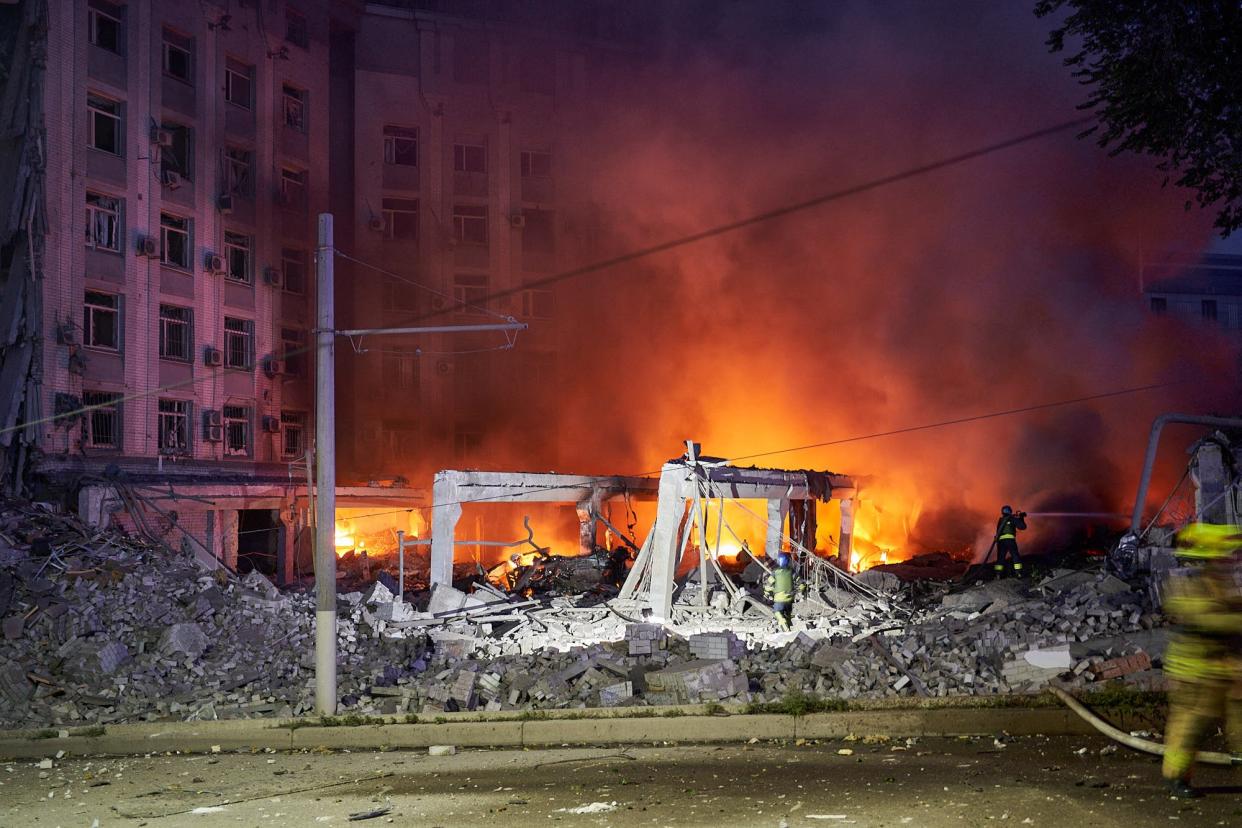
(325, 476)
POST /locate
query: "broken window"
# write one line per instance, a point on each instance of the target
(536, 164)
(103, 22)
(400, 145)
(293, 433)
(292, 187)
(1207, 308)
(238, 171)
(471, 158)
(237, 430)
(237, 256)
(469, 289)
(293, 269)
(470, 224)
(1159, 305)
(296, 31)
(400, 218)
(175, 333)
(295, 107)
(101, 325)
(238, 343)
(104, 123)
(103, 419)
(103, 222)
(238, 83)
(178, 56)
(173, 426)
(175, 241)
(293, 351)
(179, 156)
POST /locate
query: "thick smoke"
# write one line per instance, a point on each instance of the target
(1003, 282)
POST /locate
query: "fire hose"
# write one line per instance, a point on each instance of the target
(1205, 757)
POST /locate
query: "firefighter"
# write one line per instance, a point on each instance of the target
(1204, 659)
(1007, 540)
(505, 574)
(618, 566)
(778, 588)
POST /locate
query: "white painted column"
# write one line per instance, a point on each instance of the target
(778, 512)
(666, 539)
(445, 512)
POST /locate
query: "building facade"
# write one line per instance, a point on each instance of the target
(1206, 289)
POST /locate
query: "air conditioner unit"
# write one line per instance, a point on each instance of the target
(517, 221)
(214, 262)
(271, 276)
(272, 366)
(213, 418)
(271, 424)
(376, 224)
(225, 203)
(213, 357)
(172, 179)
(147, 246)
(162, 137)
(438, 302)
(213, 433)
(444, 367)
(66, 334)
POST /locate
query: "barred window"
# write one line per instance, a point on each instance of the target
(293, 351)
(400, 218)
(174, 426)
(295, 107)
(101, 323)
(237, 430)
(103, 419)
(238, 170)
(538, 304)
(399, 295)
(293, 433)
(400, 371)
(237, 256)
(175, 333)
(471, 158)
(536, 164)
(293, 267)
(103, 222)
(400, 145)
(238, 343)
(175, 241)
(470, 224)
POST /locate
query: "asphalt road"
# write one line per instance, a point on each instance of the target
(1056, 781)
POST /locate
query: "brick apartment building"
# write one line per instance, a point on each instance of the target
(161, 169)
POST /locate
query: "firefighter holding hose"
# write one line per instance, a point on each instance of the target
(778, 587)
(1204, 658)
(1006, 540)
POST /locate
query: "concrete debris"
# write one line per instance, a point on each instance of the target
(115, 629)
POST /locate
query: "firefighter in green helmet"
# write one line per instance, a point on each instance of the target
(1204, 658)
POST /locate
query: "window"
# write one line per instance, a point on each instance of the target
(400, 145)
(295, 107)
(536, 164)
(467, 443)
(293, 351)
(175, 333)
(103, 222)
(175, 241)
(174, 426)
(538, 304)
(293, 269)
(538, 235)
(400, 218)
(238, 171)
(237, 83)
(101, 325)
(102, 429)
(237, 430)
(1159, 305)
(469, 289)
(103, 22)
(399, 295)
(400, 371)
(470, 224)
(295, 28)
(292, 187)
(470, 158)
(104, 125)
(293, 433)
(178, 56)
(178, 158)
(237, 256)
(1208, 309)
(238, 343)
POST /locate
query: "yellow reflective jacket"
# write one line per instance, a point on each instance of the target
(1207, 643)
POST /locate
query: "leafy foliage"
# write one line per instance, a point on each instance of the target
(1165, 79)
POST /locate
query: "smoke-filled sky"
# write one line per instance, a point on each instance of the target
(1005, 281)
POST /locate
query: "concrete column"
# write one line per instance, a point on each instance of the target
(215, 536)
(285, 550)
(777, 510)
(228, 537)
(445, 512)
(847, 533)
(1211, 479)
(666, 540)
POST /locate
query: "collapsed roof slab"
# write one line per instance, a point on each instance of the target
(452, 489)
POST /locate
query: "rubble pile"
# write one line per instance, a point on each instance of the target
(99, 627)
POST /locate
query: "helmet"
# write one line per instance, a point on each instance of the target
(782, 560)
(1006, 510)
(515, 558)
(1208, 541)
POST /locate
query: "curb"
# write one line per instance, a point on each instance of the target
(692, 724)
